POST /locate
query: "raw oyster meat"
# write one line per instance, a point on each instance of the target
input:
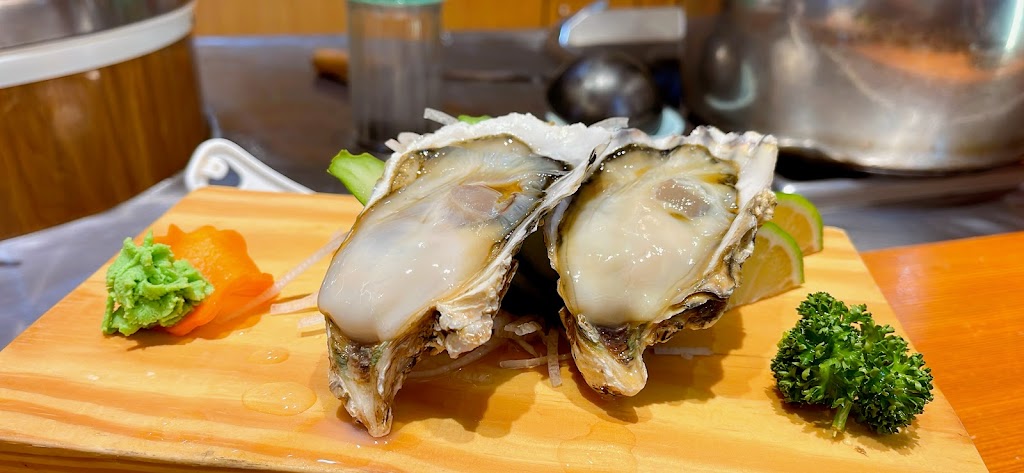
(653, 243)
(429, 258)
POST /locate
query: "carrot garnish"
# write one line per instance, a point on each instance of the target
(221, 256)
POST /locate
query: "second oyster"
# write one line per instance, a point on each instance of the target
(653, 243)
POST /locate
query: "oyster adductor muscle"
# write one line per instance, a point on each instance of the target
(428, 260)
(653, 242)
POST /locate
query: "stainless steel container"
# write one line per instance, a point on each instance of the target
(99, 100)
(894, 86)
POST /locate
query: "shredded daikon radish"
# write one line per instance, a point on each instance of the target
(460, 362)
(311, 323)
(554, 371)
(685, 352)
(439, 116)
(523, 328)
(401, 144)
(512, 324)
(530, 362)
(528, 328)
(283, 281)
(526, 346)
(306, 302)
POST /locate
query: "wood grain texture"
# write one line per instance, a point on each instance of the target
(80, 144)
(74, 400)
(273, 17)
(557, 10)
(493, 14)
(259, 17)
(961, 301)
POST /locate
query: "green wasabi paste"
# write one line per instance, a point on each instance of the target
(147, 287)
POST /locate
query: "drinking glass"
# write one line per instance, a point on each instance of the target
(394, 67)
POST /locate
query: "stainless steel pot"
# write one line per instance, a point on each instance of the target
(27, 22)
(897, 86)
(99, 100)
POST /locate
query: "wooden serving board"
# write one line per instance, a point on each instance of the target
(254, 395)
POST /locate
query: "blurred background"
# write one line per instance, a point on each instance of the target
(274, 17)
(899, 119)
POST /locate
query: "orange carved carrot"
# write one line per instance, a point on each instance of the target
(222, 257)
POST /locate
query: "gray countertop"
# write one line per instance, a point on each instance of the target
(263, 94)
(267, 97)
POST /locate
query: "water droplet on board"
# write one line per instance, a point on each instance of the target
(268, 356)
(282, 399)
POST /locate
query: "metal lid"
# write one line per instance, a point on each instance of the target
(24, 22)
(80, 52)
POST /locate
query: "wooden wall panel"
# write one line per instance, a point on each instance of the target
(271, 17)
(258, 17)
(493, 14)
(560, 9)
(701, 7)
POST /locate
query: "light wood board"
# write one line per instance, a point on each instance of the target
(72, 399)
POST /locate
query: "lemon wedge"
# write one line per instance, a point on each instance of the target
(775, 266)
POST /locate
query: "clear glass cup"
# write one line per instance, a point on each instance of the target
(394, 67)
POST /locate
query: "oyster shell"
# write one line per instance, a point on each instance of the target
(429, 258)
(653, 243)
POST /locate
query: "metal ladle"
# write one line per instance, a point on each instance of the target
(595, 87)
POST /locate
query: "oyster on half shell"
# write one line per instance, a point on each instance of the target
(430, 257)
(653, 242)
